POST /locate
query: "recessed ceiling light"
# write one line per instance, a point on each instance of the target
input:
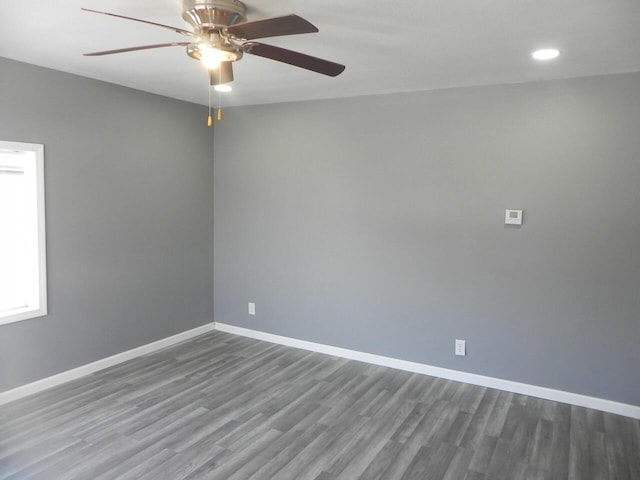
(223, 88)
(546, 54)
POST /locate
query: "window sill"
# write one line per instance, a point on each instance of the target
(19, 314)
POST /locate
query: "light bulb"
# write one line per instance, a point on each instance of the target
(545, 54)
(211, 57)
(223, 88)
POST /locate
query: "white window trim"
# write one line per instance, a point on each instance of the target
(32, 312)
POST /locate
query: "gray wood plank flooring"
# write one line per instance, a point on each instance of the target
(224, 407)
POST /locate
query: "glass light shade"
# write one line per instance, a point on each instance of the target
(211, 57)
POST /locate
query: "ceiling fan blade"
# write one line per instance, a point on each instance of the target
(222, 74)
(175, 29)
(294, 58)
(272, 27)
(133, 49)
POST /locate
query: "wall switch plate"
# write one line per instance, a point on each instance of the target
(252, 308)
(513, 217)
(461, 347)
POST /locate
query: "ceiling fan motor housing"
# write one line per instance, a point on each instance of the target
(209, 14)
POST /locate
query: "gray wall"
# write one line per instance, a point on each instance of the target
(129, 197)
(376, 224)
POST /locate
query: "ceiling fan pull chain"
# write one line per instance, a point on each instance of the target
(219, 94)
(210, 118)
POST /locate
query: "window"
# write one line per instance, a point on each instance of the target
(23, 287)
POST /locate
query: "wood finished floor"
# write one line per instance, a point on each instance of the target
(224, 407)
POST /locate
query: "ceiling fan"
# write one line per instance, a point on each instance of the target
(221, 35)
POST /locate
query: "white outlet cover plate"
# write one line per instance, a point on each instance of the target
(461, 347)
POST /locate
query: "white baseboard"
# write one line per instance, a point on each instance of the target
(38, 386)
(627, 410)
(632, 411)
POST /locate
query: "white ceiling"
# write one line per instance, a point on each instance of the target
(387, 46)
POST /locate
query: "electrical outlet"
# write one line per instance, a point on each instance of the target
(461, 347)
(252, 308)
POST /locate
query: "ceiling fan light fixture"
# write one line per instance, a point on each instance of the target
(546, 54)
(210, 56)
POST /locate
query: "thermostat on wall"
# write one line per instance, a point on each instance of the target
(513, 217)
